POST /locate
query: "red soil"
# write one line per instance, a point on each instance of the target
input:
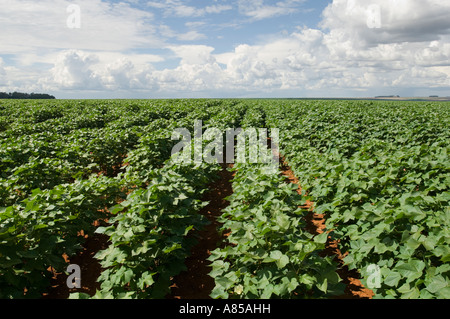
(195, 282)
(90, 269)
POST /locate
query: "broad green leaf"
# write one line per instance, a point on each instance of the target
(322, 238)
(322, 286)
(392, 279)
(411, 270)
(437, 283)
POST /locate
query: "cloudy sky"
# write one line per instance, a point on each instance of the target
(225, 48)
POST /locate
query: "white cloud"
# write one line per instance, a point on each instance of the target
(73, 70)
(350, 52)
(194, 54)
(3, 75)
(398, 20)
(192, 35)
(258, 9)
(179, 9)
(2, 70)
(76, 70)
(37, 25)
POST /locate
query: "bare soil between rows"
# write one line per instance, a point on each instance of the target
(90, 270)
(195, 282)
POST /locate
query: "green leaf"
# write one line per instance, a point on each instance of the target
(323, 286)
(444, 293)
(79, 295)
(414, 293)
(116, 209)
(322, 238)
(411, 270)
(146, 280)
(41, 226)
(267, 292)
(224, 282)
(278, 257)
(307, 280)
(188, 229)
(437, 283)
(219, 292)
(170, 249)
(392, 279)
(282, 262)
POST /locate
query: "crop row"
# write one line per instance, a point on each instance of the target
(377, 171)
(380, 175)
(268, 253)
(61, 167)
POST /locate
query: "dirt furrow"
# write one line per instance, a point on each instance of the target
(195, 282)
(90, 268)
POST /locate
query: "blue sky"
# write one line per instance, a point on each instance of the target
(225, 48)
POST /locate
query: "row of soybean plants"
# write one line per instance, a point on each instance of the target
(379, 171)
(151, 234)
(61, 165)
(268, 253)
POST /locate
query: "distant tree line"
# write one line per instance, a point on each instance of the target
(26, 96)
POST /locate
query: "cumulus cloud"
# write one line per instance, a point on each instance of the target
(198, 70)
(408, 38)
(76, 70)
(73, 70)
(358, 46)
(406, 45)
(194, 54)
(387, 21)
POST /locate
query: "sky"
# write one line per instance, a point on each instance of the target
(225, 48)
